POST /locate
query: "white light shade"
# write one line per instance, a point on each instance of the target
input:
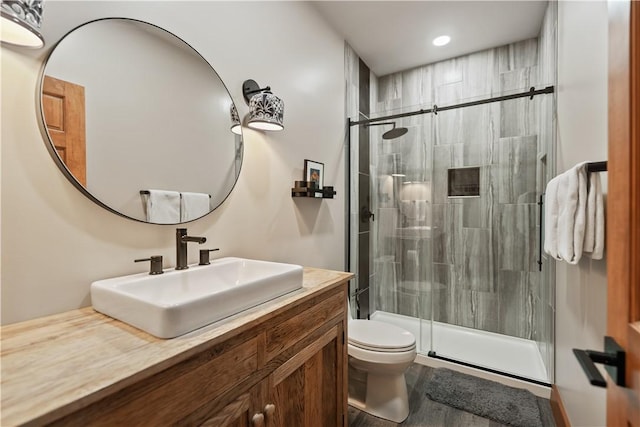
(441, 40)
(266, 112)
(21, 21)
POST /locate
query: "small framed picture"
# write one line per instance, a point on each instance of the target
(314, 172)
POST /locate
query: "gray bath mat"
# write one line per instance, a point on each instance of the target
(498, 402)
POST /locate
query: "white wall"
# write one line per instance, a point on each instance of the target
(55, 242)
(581, 291)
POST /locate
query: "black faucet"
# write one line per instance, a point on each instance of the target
(181, 247)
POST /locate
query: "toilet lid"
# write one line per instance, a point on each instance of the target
(373, 335)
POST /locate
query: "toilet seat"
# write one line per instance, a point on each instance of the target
(374, 336)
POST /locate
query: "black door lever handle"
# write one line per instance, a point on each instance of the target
(613, 358)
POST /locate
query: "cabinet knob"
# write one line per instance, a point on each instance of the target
(269, 409)
(258, 420)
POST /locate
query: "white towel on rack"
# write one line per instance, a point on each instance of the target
(163, 207)
(566, 214)
(551, 218)
(594, 234)
(194, 205)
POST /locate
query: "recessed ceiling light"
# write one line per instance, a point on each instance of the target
(441, 41)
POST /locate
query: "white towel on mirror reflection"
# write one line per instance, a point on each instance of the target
(194, 205)
(594, 233)
(565, 214)
(163, 207)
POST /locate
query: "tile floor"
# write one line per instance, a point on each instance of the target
(427, 413)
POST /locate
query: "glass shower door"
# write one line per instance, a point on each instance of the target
(488, 174)
(401, 247)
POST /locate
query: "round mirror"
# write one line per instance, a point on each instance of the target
(140, 122)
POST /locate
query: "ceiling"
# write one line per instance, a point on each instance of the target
(392, 36)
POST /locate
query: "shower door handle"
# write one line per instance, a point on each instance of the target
(366, 214)
(613, 358)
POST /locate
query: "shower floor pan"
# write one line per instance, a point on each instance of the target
(502, 353)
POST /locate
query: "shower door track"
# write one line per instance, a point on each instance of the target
(435, 110)
(433, 355)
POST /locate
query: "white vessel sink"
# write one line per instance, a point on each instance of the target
(177, 302)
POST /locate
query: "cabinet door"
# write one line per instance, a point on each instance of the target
(239, 413)
(308, 389)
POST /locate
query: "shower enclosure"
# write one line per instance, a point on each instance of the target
(454, 216)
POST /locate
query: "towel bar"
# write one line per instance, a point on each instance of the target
(597, 167)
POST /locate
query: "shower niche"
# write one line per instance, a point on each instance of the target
(463, 182)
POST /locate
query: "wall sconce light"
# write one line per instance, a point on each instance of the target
(21, 20)
(266, 111)
(236, 126)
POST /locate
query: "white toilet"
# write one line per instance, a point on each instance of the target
(379, 355)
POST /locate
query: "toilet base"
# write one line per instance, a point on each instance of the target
(386, 397)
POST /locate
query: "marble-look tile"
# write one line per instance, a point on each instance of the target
(417, 88)
(363, 86)
(390, 88)
(386, 230)
(445, 157)
(515, 304)
(408, 301)
(488, 315)
(448, 127)
(479, 131)
(517, 238)
(518, 118)
(385, 283)
(518, 80)
(547, 45)
(363, 150)
(473, 215)
(441, 288)
(364, 270)
(464, 304)
(479, 73)
(364, 199)
(518, 55)
(449, 94)
(373, 93)
(447, 72)
(516, 166)
(477, 259)
(352, 78)
(447, 234)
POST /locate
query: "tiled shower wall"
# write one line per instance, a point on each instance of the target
(484, 250)
(469, 262)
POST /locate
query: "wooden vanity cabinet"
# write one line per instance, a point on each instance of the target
(287, 371)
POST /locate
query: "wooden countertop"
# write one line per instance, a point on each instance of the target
(60, 363)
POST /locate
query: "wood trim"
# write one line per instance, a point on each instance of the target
(633, 365)
(557, 407)
(623, 206)
(619, 171)
(635, 161)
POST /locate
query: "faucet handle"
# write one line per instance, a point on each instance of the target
(204, 256)
(156, 263)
